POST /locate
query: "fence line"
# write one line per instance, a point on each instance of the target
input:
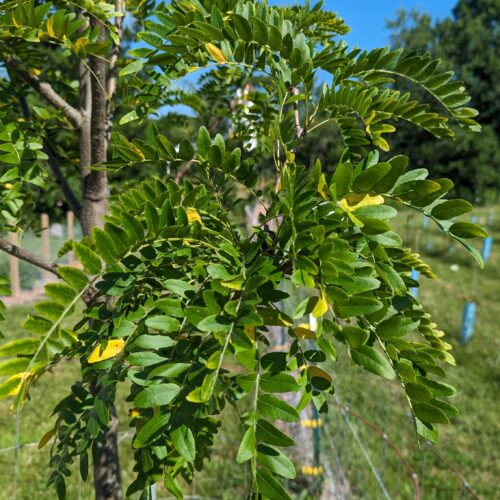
(15, 270)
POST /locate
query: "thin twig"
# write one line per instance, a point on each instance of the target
(27, 256)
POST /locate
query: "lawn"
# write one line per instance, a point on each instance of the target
(470, 443)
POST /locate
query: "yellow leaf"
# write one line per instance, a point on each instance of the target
(323, 187)
(195, 396)
(113, 348)
(138, 151)
(448, 358)
(34, 71)
(21, 377)
(381, 143)
(80, 45)
(354, 201)
(216, 53)
(250, 332)
(193, 215)
(304, 333)
(133, 413)
(233, 285)
(213, 360)
(321, 307)
(46, 438)
(50, 27)
(316, 371)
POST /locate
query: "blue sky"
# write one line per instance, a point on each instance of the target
(367, 18)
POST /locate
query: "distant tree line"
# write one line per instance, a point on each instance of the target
(468, 43)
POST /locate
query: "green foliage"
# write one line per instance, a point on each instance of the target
(180, 299)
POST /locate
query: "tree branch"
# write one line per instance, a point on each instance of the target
(47, 91)
(27, 256)
(54, 165)
(60, 178)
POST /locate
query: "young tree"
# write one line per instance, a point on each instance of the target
(179, 300)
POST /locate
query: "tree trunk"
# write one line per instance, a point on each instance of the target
(93, 150)
(95, 182)
(107, 476)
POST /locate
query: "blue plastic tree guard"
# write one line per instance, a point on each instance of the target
(487, 247)
(468, 320)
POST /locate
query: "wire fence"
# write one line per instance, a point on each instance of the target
(358, 457)
(26, 279)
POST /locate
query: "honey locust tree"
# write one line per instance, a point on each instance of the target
(178, 298)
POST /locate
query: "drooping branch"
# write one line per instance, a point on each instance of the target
(48, 92)
(27, 256)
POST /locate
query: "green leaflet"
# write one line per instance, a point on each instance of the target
(373, 361)
(150, 430)
(272, 407)
(246, 449)
(278, 382)
(270, 487)
(88, 258)
(274, 460)
(270, 434)
(163, 323)
(183, 440)
(156, 395)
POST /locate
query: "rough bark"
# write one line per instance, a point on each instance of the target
(95, 182)
(27, 256)
(107, 480)
(93, 150)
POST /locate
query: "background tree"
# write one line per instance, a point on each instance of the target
(467, 43)
(178, 299)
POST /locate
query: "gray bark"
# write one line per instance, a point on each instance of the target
(107, 476)
(95, 182)
(93, 150)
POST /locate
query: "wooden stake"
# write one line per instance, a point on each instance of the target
(15, 280)
(44, 223)
(70, 233)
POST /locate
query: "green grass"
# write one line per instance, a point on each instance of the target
(470, 443)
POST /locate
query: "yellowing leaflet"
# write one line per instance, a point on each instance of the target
(354, 201)
(113, 348)
(321, 307)
(216, 53)
(193, 215)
